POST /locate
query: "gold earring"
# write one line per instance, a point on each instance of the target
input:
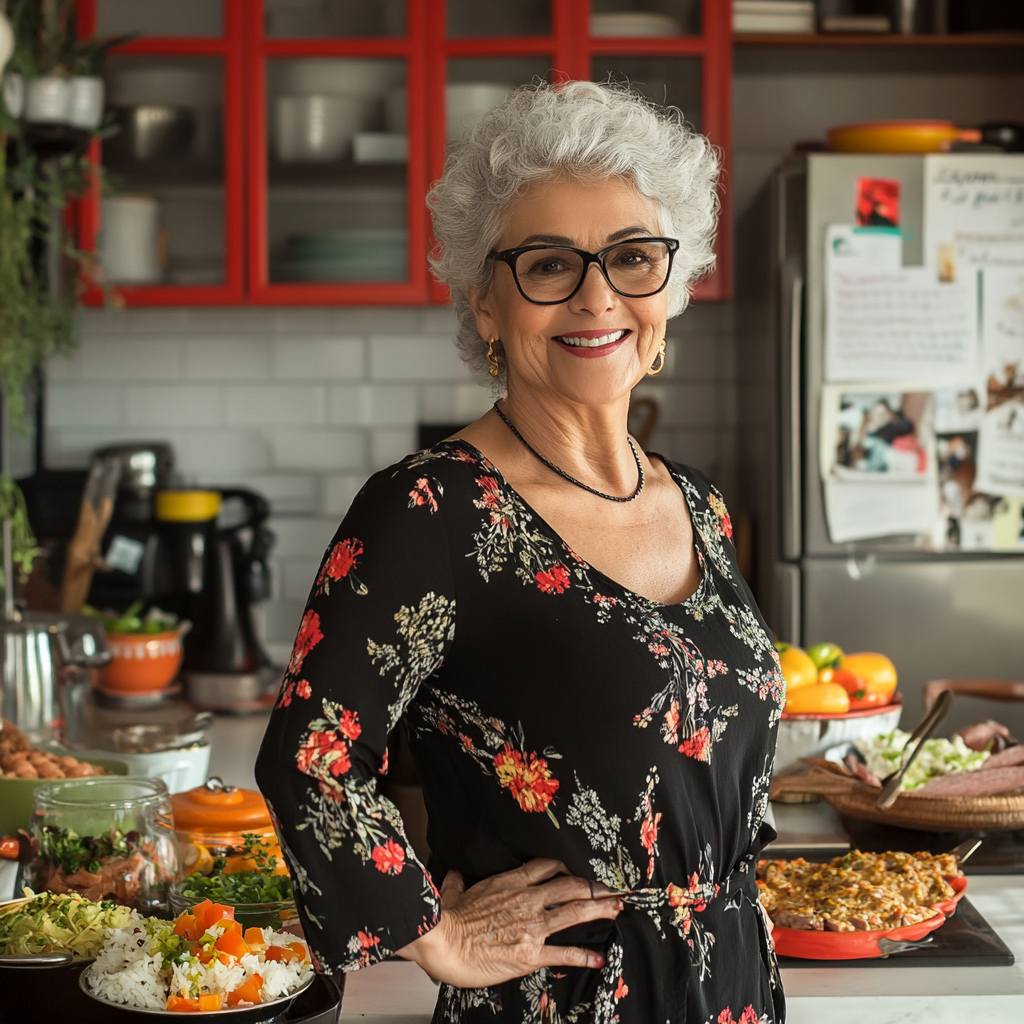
(492, 358)
(652, 372)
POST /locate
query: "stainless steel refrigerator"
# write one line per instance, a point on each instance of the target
(938, 616)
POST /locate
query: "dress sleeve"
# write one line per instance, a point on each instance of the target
(379, 620)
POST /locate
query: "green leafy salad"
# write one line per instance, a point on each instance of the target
(883, 755)
(260, 885)
(48, 923)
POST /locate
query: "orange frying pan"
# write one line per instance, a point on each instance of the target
(899, 137)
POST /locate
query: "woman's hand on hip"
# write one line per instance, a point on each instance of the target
(495, 930)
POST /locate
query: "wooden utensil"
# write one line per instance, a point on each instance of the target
(924, 731)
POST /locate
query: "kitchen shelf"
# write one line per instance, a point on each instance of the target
(827, 39)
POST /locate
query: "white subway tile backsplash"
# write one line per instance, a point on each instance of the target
(77, 405)
(390, 446)
(282, 623)
(130, 359)
(174, 406)
(301, 320)
(229, 358)
(320, 358)
(65, 367)
(376, 320)
(223, 451)
(437, 320)
(339, 490)
(104, 322)
(373, 405)
(273, 405)
(72, 448)
(302, 536)
(297, 577)
(319, 449)
(415, 358)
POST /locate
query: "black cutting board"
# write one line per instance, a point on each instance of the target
(965, 940)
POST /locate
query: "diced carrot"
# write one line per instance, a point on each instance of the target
(254, 936)
(211, 1001)
(204, 956)
(249, 992)
(182, 1004)
(300, 949)
(200, 911)
(188, 926)
(227, 924)
(233, 943)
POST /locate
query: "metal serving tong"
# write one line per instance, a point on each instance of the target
(924, 731)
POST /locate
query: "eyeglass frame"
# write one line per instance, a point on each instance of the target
(509, 257)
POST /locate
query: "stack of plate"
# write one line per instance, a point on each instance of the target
(346, 254)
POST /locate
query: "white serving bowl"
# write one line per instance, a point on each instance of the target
(319, 127)
(467, 102)
(325, 76)
(633, 23)
(811, 735)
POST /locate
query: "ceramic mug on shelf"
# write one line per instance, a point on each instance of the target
(47, 100)
(14, 94)
(130, 239)
(85, 101)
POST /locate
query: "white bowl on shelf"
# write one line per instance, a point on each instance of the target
(633, 23)
(318, 127)
(380, 148)
(467, 102)
(360, 76)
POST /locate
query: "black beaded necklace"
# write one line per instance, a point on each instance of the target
(536, 454)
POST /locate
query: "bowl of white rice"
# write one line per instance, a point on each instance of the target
(145, 967)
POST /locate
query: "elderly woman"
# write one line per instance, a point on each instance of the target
(555, 616)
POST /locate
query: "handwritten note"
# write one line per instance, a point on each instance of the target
(899, 325)
(1001, 445)
(973, 211)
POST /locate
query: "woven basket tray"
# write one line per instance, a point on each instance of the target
(935, 813)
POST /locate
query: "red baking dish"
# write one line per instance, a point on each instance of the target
(811, 945)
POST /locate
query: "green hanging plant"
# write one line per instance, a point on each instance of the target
(23, 542)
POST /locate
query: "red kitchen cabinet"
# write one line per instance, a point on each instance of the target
(332, 117)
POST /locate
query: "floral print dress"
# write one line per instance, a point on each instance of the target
(551, 713)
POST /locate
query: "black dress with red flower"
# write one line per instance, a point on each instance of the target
(551, 713)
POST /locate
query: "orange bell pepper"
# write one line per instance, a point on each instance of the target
(212, 1001)
(248, 992)
(283, 953)
(182, 1004)
(208, 914)
(300, 949)
(253, 936)
(227, 924)
(188, 926)
(869, 679)
(233, 944)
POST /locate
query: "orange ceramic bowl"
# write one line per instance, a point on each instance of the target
(142, 662)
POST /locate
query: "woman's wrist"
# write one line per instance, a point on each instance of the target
(428, 950)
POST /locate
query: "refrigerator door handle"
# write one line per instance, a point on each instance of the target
(790, 377)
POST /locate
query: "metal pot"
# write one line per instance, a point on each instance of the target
(32, 653)
(153, 132)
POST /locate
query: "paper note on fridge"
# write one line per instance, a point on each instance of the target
(1001, 441)
(973, 212)
(899, 325)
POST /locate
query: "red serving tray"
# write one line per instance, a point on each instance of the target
(878, 709)
(814, 945)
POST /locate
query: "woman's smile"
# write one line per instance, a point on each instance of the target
(591, 344)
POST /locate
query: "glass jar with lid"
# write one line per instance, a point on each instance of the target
(231, 855)
(108, 838)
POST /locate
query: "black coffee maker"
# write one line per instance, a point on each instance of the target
(207, 562)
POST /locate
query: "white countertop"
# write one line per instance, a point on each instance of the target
(399, 993)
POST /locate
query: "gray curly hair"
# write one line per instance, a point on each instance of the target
(584, 129)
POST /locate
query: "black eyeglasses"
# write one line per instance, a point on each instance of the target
(550, 274)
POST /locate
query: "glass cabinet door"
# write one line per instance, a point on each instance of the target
(473, 19)
(168, 228)
(164, 222)
(337, 151)
(672, 81)
(644, 18)
(326, 19)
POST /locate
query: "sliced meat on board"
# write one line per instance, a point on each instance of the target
(985, 735)
(984, 782)
(1005, 758)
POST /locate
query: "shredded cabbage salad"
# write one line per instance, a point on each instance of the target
(884, 755)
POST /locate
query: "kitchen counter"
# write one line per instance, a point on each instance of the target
(400, 993)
